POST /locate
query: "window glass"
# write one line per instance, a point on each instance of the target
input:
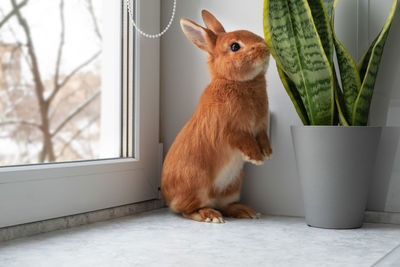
(53, 57)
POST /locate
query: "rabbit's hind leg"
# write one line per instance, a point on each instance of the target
(240, 211)
(205, 215)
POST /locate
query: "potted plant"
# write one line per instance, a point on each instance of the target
(335, 150)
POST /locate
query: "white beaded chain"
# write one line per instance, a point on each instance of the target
(158, 35)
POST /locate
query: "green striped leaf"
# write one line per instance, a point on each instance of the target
(339, 100)
(363, 101)
(339, 106)
(329, 7)
(295, 44)
(349, 75)
(351, 83)
(294, 96)
(322, 24)
(364, 61)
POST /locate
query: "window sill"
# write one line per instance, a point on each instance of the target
(30, 229)
(160, 237)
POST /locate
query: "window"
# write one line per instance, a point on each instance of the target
(85, 97)
(51, 85)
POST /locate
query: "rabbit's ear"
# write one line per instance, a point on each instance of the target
(203, 38)
(211, 22)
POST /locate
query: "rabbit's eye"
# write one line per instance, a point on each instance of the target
(235, 47)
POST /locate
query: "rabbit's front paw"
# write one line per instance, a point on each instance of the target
(207, 215)
(265, 146)
(255, 162)
(255, 157)
(211, 215)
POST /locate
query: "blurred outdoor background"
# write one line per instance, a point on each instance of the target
(50, 80)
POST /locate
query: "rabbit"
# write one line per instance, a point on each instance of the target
(203, 170)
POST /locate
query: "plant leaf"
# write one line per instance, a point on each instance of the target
(294, 96)
(295, 44)
(349, 74)
(363, 64)
(363, 101)
(329, 7)
(339, 105)
(322, 24)
(339, 100)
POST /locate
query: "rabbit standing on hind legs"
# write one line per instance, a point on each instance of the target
(203, 170)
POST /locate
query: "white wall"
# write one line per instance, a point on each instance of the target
(385, 109)
(274, 187)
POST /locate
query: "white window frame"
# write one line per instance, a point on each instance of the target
(38, 192)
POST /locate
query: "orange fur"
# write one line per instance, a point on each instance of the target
(201, 171)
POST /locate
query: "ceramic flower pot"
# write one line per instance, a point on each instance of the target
(335, 165)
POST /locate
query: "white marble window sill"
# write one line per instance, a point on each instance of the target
(160, 238)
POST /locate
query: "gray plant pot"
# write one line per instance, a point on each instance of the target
(335, 166)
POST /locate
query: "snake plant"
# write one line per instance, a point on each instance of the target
(300, 35)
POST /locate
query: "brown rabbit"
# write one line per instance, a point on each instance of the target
(203, 170)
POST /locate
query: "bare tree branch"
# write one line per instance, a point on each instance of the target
(60, 81)
(21, 122)
(60, 46)
(69, 76)
(55, 107)
(94, 19)
(39, 89)
(76, 112)
(71, 148)
(12, 12)
(17, 41)
(78, 133)
(84, 64)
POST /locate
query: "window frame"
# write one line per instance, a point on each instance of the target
(44, 191)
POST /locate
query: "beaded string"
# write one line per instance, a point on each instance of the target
(158, 35)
